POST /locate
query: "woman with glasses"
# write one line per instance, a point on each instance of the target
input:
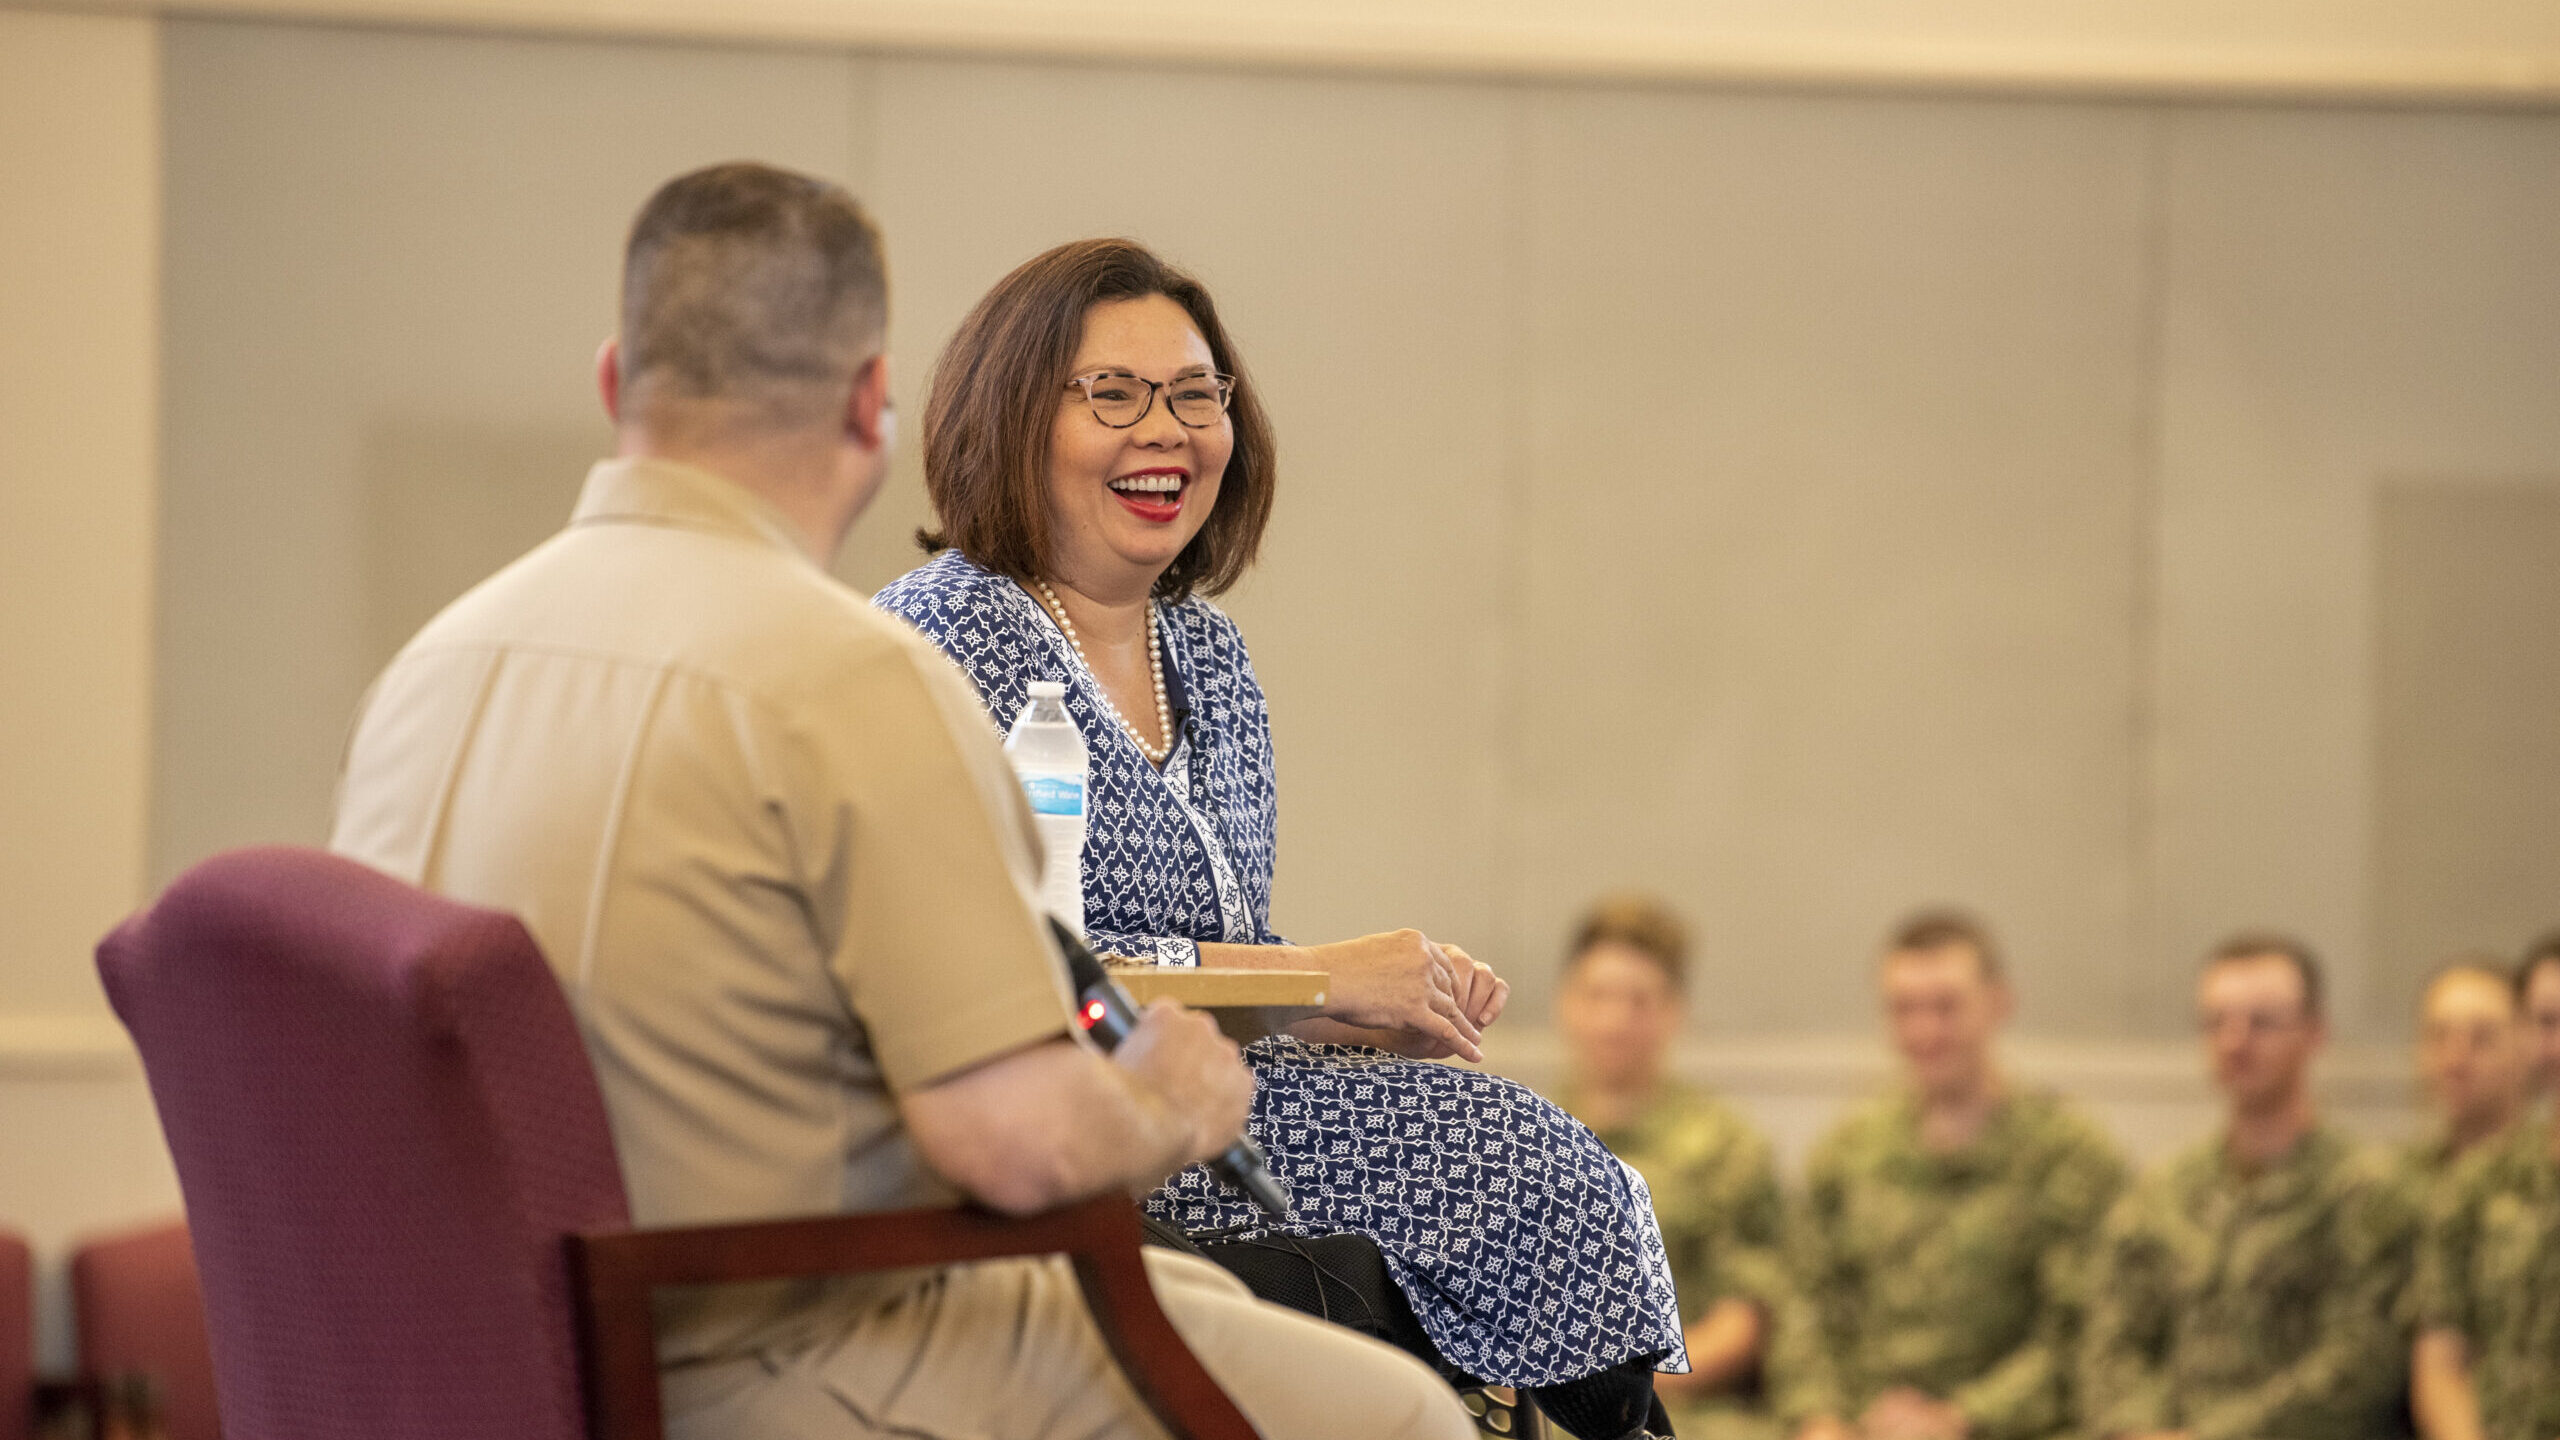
(1099, 464)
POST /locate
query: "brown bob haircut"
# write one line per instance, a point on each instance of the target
(1640, 923)
(996, 392)
(1945, 927)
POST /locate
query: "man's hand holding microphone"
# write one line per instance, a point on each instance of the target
(1180, 1056)
(1057, 1122)
(1184, 1056)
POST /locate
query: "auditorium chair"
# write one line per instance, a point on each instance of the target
(137, 1314)
(17, 1338)
(407, 1214)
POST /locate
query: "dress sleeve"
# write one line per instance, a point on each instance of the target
(1178, 951)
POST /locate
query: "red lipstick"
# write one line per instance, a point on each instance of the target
(1156, 507)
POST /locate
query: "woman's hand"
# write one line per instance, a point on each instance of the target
(1485, 994)
(1397, 991)
(1432, 1000)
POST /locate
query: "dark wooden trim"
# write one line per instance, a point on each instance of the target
(615, 1271)
(1166, 1375)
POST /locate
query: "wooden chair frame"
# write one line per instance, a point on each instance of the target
(613, 1273)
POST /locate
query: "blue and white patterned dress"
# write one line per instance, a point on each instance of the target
(1529, 1253)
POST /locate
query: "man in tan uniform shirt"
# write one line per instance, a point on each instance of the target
(766, 840)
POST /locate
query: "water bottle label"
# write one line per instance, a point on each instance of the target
(1054, 794)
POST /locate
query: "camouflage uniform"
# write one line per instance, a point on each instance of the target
(1959, 1275)
(2423, 1165)
(1715, 1192)
(2253, 1307)
(2490, 1268)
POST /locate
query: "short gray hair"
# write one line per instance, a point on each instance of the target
(747, 282)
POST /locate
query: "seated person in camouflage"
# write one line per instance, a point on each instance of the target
(1714, 1182)
(1944, 1228)
(2487, 1296)
(2539, 983)
(2475, 1062)
(2248, 1289)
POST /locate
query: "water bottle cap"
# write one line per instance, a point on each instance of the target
(1048, 690)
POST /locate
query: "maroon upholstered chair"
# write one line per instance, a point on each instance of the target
(136, 1310)
(406, 1209)
(17, 1338)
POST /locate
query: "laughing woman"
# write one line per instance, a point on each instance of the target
(1099, 464)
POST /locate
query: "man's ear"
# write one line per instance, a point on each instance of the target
(609, 376)
(869, 420)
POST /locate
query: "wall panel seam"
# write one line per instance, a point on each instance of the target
(2143, 721)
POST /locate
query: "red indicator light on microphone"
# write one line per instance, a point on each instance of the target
(1091, 1014)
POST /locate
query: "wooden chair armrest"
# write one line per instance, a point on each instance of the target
(614, 1272)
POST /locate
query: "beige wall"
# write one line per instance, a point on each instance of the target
(390, 263)
(79, 337)
(2499, 51)
(2355, 301)
(1807, 506)
(79, 331)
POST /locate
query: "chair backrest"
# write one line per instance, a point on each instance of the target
(17, 1338)
(136, 1310)
(384, 1122)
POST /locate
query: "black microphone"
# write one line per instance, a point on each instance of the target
(1105, 1011)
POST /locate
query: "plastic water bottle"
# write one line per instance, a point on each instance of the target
(1048, 756)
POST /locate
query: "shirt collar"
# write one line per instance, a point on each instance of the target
(1988, 1150)
(646, 490)
(2279, 1181)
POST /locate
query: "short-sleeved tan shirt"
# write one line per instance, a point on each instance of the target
(763, 833)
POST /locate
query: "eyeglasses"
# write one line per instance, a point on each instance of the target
(2252, 1022)
(1120, 399)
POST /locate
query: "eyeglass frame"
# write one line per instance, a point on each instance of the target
(1226, 396)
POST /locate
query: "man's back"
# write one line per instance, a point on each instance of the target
(732, 803)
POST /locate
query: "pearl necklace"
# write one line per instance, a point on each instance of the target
(1155, 672)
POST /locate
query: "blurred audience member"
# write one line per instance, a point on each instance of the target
(2473, 1056)
(2538, 990)
(1945, 1228)
(2247, 1291)
(1714, 1181)
(2487, 1296)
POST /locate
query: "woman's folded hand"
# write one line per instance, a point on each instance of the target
(1482, 994)
(1433, 1000)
